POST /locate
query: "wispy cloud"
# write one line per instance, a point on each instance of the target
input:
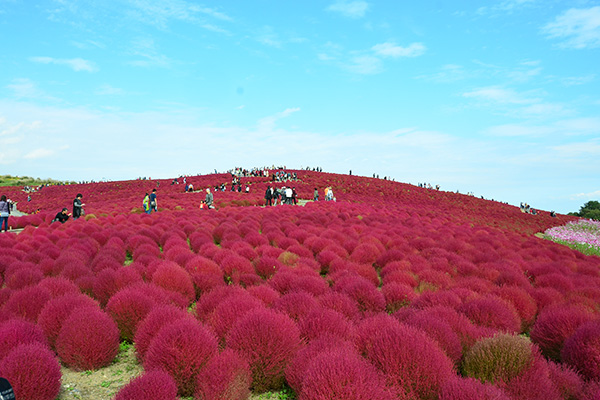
(24, 88)
(498, 94)
(76, 64)
(146, 49)
(364, 65)
(505, 6)
(578, 80)
(38, 153)
(448, 73)
(577, 28)
(350, 9)
(587, 196)
(390, 49)
(268, 123)
(109, 90)
(562, 128)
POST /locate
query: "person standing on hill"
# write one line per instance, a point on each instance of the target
(4, 213)
(268, 196)
(153, 201)
(78, 206)
(316, 195)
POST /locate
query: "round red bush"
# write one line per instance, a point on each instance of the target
(28, 302)
(412, 362)
(58, 286)
(582, 350)
(88, 340)
(172, 277)
(326, 322)
(57, 310)
(14, 332)
(337, 374)
(128, 307)
(182, 349)
(33, 371)
(470, 389)
(152, 385)
(159, 317)
(268, 340)
(230, 310)
(555, 324)
(492, 312)
(226, 376)
(296, 305)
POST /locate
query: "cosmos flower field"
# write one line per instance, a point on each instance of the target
(391, 292)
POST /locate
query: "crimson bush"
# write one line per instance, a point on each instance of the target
(33, 371)
(182, 349)
(128, 307)
(226, 377)
(582, 350)
(88, 339)
(152, 385)
(14, 332)
(268, 340)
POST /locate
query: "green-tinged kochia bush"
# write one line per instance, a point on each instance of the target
(499, 358)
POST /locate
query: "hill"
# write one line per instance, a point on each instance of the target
(399, 291)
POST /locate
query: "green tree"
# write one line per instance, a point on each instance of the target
(590, 210)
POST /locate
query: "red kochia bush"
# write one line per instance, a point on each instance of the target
(582, 350)
(326, 322)
(492, 312)
(57, 310)
(230, 310)
(33, 371)
(296, 305)
(128, 307)
(58, 286)
(28, 302)
(226, 376)
(17, 331)
(149, 327)
(470, 389)
(337, 374)
(182, 349)
(172, 277)
(412, 362)
(152, 385)
(555, 324)
(268, 340)
(88, 339)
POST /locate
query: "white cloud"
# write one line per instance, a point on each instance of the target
(109, 90)
(579, 149)
(350, 9)
(578, 28)
(146, 49)
(578, 80)
(500, 95)
(38, 153)
(562, 128)
(268, 123)
(448, 73)
(365, 65)
(588, 196)
(24, 88)
(76, 64)
(390, 49)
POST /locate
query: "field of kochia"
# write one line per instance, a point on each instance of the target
(391, 292)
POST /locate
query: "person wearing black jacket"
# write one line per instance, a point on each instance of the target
(269, 196)
(77, 206)
(62, 216)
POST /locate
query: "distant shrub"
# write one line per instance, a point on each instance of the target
(264, 293)
(88, 340)
(182, 349)
(172, 277)
(440, 331)
(296, 305)
(15, 332)
(499, 358)
(492, 312)
(128, 307)
(28, 302)
(57, 310)
(470, 389)
(226, 377)
(210, 300)
(205, 273)
(523, 303)
(444, 298)
(268, 340)
(397, 296)
(326, 322)
(545, 297)
(58, 286)
(556, 281)
(151, 385)
(582, 350)
(337, 374)
(23, 278)
(33, 371)
(554, 325)
(394, 349)
(155, 320)
(368, 298)
(230, 310)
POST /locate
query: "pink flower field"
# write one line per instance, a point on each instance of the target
(391, 292)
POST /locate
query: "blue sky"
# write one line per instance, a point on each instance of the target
(499, 98)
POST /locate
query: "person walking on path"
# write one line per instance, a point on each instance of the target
(269, 196)
(316, 195)
(153, 201)
(4, 213)
(78, 206)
